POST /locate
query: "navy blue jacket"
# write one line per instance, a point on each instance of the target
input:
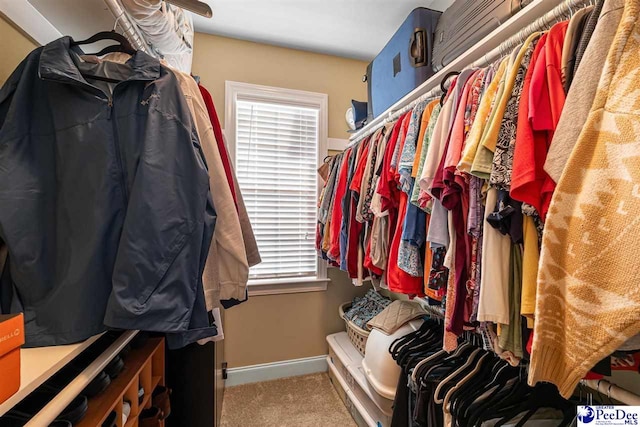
(104, 199)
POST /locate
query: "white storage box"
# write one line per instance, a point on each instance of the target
(345, 359)
(348, 398)
(380, 369)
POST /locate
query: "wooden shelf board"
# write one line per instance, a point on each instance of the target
(147, 397)
(101, 405)
(130, 421)
(154, 382)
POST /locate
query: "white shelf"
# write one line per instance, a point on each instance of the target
(38, 364)
(483, 48)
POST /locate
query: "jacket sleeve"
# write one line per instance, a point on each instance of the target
(229, 267)
(158, 268)
(24, 174)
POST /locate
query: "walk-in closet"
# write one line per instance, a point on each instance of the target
(355, 213)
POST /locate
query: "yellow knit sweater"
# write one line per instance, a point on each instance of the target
(588, 300)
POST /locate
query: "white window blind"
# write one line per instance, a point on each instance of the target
(276, 158)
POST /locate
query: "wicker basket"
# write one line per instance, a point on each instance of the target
(357, 335)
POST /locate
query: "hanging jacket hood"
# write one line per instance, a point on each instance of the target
(104, 199)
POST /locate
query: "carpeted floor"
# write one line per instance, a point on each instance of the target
(306, 401)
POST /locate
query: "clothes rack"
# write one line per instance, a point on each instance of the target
(432, 310)
(130, 30)
(481, 54)
(613, 391)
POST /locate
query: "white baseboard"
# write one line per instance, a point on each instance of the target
(275, 370)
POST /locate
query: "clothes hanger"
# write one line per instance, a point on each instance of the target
(471, 361)
(468, 392)
(400, 343)
(443, 82)
(474, 394)
(124, 46)
(477, 367)
(569, 7)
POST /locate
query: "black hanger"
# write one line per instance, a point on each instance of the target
(543, 395)
(123, 46)
(444, 82)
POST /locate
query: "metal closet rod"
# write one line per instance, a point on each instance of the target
(130, 30)
(543, 22)
(613, 391)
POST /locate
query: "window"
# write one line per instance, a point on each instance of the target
(278, 139)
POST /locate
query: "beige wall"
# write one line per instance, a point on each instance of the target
(281, 327)
(290, 326)
(15, 47)
(217, 59)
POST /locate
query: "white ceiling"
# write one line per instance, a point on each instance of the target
(356, 29)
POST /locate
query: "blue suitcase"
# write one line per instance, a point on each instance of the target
(404, 63)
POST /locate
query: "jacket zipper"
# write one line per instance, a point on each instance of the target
(116, 144)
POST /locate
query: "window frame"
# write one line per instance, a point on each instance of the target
(298, 98)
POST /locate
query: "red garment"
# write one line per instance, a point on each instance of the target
(336, 212)
(355, 228)
(544, 99)
(557, 97)
(553, 52)
(397, 279)
(528, 174)
(383, 190)
(387, 186)
(356, 181)
(217, 132)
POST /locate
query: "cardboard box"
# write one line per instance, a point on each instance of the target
(11, 339)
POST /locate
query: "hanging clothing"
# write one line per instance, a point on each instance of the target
(336, 213)
(248, 237)
(530, 151)
(482, 116)
(217, 131)
(587, 32)
(226, 272)
(426, 142)
(585, 274)
(572, 39)
(411, 240)
(583, 90)
(95, 237)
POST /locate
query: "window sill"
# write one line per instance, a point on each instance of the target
(287, 286)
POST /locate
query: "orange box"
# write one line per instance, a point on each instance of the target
(11, 339)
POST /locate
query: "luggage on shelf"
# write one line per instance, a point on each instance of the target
(404, 63)
(466, 22)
